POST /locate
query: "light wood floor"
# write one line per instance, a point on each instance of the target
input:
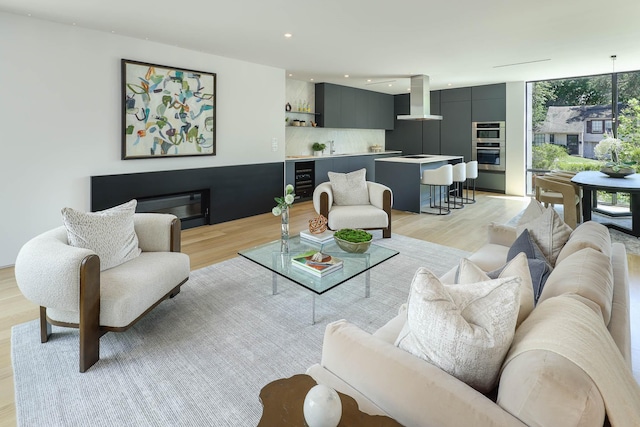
(464, 229)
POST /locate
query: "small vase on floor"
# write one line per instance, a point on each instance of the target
(284, 232)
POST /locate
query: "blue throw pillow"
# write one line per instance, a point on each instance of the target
(539, 267)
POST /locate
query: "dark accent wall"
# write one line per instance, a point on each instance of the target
(235, 191)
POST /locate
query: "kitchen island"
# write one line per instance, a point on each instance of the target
(403, 174)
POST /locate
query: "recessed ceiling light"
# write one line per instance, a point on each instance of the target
(28, 14)
(368, 80)
(73, 23)
(346, 76)
(288, 35)
(449, 84)
(113, 31)
(290, 75)
(408, 89)
(311, 79)
(390, 85)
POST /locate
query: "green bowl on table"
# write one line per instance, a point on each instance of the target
(353, 241)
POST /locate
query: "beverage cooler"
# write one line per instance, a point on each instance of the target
(304, 182)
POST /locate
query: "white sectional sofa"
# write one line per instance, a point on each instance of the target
(537, 387)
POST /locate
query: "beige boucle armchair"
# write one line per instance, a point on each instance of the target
(374, 215)
(67, 284)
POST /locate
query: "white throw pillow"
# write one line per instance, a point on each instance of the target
(468, 273)
(109, 233)
(533, 210)
(550, 233)
(465, 330)
(349, 188)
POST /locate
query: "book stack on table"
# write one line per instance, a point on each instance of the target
(322, 238)
(318, 265)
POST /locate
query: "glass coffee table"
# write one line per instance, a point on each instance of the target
(270, 257)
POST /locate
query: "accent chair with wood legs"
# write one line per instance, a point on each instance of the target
(376, 214)
(71, 290)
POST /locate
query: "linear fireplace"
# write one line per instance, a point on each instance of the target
(197, 196)
(192, 207)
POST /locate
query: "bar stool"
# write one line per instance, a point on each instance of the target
(459, 177)
(472, 175)
(438, 179)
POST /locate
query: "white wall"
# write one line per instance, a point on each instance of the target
(60, 108)
(515, 142)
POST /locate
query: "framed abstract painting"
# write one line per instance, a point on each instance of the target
(167, 112)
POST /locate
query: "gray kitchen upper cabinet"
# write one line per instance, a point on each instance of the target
(455, 128)
(350, 108)
(488, 103)
(328, 103)
(431, 128)
(455, 95)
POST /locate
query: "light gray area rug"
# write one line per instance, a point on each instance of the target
(202, 357)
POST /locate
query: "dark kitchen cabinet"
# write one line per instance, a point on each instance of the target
(406, 135)
(455, 128)
(488, 103)
(431, 128)
(350, 108)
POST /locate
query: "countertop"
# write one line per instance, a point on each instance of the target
(428, 158)
(365, 153)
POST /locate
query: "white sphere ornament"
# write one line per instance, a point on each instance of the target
(322, 407)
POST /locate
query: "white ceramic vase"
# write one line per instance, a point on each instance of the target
(322, 407)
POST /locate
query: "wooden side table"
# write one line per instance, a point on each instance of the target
(282, 402)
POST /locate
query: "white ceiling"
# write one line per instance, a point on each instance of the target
(456, 43)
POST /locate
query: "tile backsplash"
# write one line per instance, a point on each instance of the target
(298, 140)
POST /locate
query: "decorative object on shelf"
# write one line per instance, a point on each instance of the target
(282, 210)
(314, 124)
(318, 224)
(167, 111)
(610, 147)
(376, 148)
(322, 407)
(318, 148)
(353, 241)
(287, 107)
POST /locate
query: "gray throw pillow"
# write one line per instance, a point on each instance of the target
(349, 188)
(539, 267)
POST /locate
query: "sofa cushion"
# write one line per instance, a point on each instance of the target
(550, 233)
(490, 256)
(587, 273)
(587, 235)
(539, 268)
(542, 388)
(468, 272)
(349, 188)
(109, 233)
(465, 330)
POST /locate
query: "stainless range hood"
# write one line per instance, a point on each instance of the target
(420, 100)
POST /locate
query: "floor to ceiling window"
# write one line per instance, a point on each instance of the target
(568, 118)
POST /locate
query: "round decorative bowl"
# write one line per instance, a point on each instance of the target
(620, 173)
(354, 248)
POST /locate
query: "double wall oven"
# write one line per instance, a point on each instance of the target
(487, 144)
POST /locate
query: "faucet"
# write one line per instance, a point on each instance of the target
(332, 149)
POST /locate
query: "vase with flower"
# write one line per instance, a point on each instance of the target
(282, 210)
(615, 167)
